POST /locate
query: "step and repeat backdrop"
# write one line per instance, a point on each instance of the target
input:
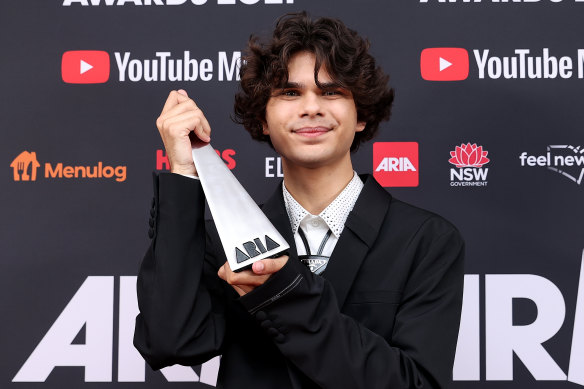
(486, 130)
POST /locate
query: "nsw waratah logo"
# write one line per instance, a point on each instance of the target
(469, 160)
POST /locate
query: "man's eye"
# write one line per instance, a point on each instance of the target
(332, 93)
(290, 93)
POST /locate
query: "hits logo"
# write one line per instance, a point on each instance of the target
(396, 163)
(227, 155)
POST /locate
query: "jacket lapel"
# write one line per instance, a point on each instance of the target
(360, 232)
(275, 210)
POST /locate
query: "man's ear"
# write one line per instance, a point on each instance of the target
(360, 126)
(265, 129)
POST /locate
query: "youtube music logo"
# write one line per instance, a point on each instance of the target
(444, 64)
(85, 67)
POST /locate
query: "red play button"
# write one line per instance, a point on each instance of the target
(444, 64)
(85, 67)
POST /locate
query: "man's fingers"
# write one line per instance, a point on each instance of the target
(269, 265)
(183, 106)
(171, 101)
(183, 123)
(181, 112)
(174, 98)
(242, 279)
(204, 130)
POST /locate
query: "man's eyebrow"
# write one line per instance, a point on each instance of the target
(330, 85)
(293, 85)
(323, 85)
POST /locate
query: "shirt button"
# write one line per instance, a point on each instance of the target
(315, 223)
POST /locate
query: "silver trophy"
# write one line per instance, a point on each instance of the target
(245, 232)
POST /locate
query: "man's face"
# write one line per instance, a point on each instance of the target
(308, 126)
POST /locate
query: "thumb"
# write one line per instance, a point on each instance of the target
(183, 92)
(269, 265)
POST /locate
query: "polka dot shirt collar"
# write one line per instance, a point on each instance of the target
(334, 215)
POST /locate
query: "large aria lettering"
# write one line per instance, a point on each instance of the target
(92, 307)
(503, 339)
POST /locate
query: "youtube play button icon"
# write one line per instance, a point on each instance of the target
(444, 64)
(85, 67)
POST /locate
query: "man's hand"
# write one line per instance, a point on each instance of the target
(247, 280)
(180, 123)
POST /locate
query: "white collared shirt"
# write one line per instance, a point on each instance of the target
(333, 217)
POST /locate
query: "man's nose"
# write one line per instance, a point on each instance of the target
(311, 105)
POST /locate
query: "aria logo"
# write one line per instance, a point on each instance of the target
(469, 159)
(563, 159)
(252, 249)
(396, 164)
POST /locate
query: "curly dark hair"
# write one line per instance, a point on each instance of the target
(341, 50)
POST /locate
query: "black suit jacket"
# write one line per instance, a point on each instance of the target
(384, 314)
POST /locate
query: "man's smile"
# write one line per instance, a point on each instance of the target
(312, 131)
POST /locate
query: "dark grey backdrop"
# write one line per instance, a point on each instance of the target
(56, 232)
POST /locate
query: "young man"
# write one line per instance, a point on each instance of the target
(380, 307)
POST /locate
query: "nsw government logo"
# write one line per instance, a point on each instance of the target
(469, 160)
(396, 163)
(563, 159)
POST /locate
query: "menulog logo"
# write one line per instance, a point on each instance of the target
(396, 163)
(25, 166)
(469, 160)
(563, 159)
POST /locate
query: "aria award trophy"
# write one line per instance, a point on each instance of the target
(245, 232)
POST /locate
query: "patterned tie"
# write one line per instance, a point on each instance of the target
(316, 263)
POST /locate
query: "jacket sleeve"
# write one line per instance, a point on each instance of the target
(181, 319)
(335, 351)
